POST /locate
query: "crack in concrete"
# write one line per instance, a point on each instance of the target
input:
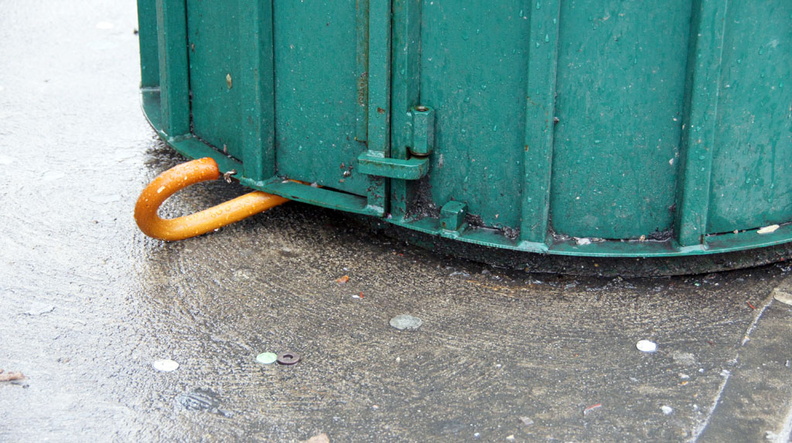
(786, 429)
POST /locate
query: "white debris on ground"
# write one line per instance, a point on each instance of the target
(406, 322)
(782, 296)
(768, 229)
(267, 358)
(321, 438)
(165, 365)
(646, 346)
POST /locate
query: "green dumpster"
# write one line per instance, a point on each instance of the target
(598, 129)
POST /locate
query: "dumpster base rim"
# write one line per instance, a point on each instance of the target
(714, 246)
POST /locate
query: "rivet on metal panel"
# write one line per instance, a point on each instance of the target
(452, 215)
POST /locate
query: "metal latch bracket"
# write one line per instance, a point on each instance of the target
(410, 169)
(421, 120)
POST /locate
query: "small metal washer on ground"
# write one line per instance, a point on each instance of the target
(267, 358)
(288, 358)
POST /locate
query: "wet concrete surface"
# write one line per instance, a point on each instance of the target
(89, 303)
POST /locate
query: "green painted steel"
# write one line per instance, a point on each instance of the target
(411, 169)
(584, 128)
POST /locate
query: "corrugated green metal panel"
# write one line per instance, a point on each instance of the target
(319, 91)
(621, 81)
(752, 165)
(218, 92)
(231, 81)
(173, 62)
(147, 32)
(551, 119)
(474, 74)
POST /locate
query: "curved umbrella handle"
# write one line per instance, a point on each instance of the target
(180, 177)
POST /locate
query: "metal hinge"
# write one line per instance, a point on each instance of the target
(421, 146)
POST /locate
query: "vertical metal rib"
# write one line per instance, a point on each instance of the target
(173, 67)
(540, 122)
(700, 121)
(256, 38)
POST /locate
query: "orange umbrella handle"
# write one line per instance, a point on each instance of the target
(180, 177)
